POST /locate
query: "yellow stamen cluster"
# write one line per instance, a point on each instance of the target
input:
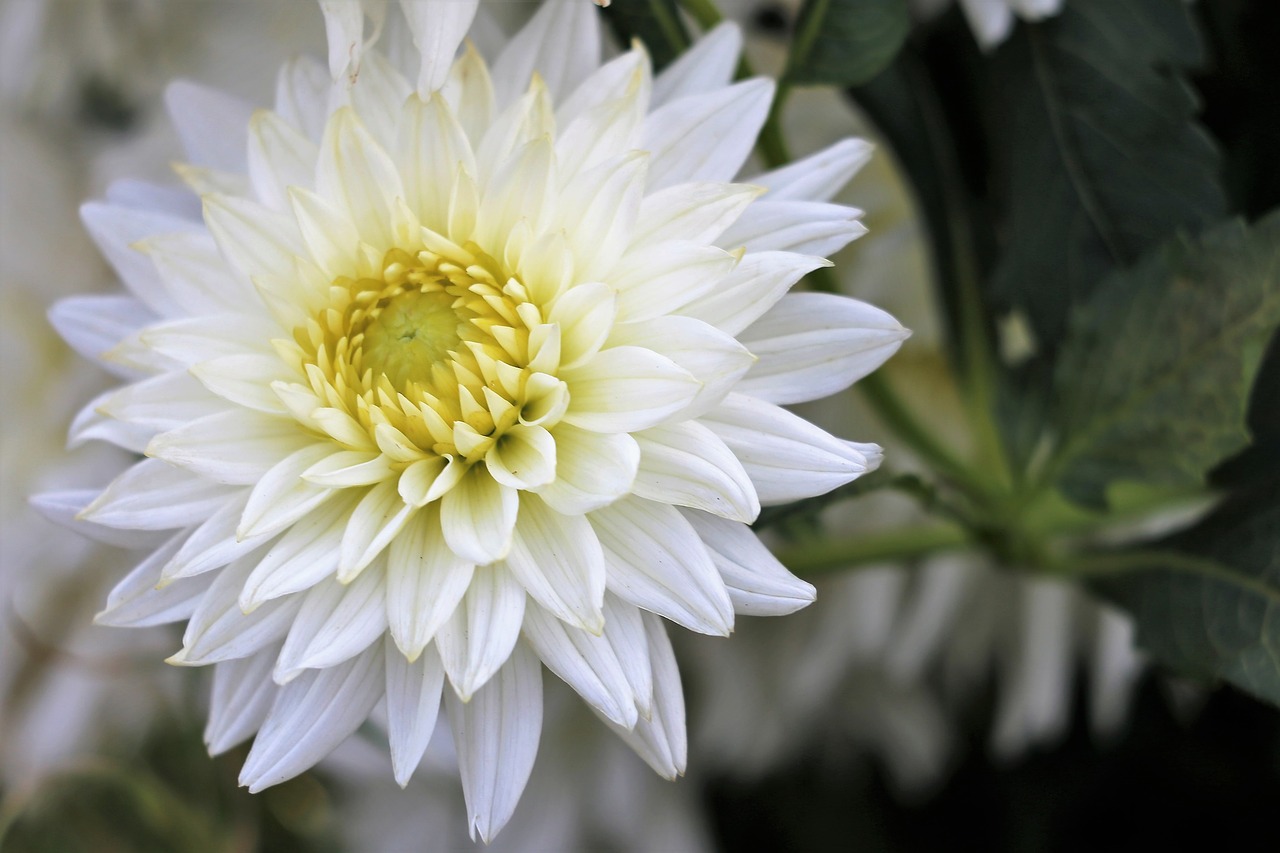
(437, 358)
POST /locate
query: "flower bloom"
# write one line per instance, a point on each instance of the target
(461, 369)
(992, 20)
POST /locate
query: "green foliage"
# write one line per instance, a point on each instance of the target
(1210, 604)
(846, 42)
(1154, 379)
(1099, 153)
(655, 22)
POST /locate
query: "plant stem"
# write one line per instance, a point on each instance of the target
(827, 555)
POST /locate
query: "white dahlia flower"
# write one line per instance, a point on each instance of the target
(462, 369)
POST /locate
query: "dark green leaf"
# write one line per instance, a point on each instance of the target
(846, 42)
(1154, 378)
(1098, 151)
(1211, 607)
(655, 22)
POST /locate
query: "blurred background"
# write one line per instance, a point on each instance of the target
(941, 702)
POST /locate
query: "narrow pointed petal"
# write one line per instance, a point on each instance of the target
(706, 66)
(592, 469)
(311, 716)
(334, 624)
(758, 584)
(282, 497)
(754, 286)
(661, 740)
(219, 630)
(812, 345)
(380, 515)
(708, 136)
(232, 447)
(496, 735)
(686, 464)
(154, 495)
(656, 561)
(304, 556)
(478, 516)
(241, 698)
(65, 508)
(438, 27)
(626, 388)
(714, 358)
(561, 43)
(425, 582)
(213, 544)
(559, 561)
(819, 176)
(478, 638)
(136, 602)
(413, 704)
(805, 227)
(787, 457)
(586, 662)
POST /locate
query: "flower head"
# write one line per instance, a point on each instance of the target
(464, 369)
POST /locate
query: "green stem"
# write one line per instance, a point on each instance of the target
(885, 547)
(890, 408)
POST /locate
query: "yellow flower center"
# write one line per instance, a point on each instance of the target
(445, 349)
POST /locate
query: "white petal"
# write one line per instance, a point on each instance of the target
(219, 630)
(656, 561)
(334, 624)
(496, 735)
(438, 27)
(787, 457)
(135, 602)
(478, 638)
(714, 358)
(625, 631)
(524, 457)
(592, 469)
(430, 148)
(599, 208)
(661, 740)
(585, 316)
(811, 345)
(240, 700)
(92, 325)
(145, 195)
(706, 137)
(196, 276)
(586, 662)
(302, 95)
(304, 556)
(425, 582)
(357, 173)
(246, 380)
(819, 176)
(213, 544)
(211, 124)
(478, 516)
(234, 447)
(254, 239)
(280, 156)
(706, 66)
(413, 703)
(64, 508)
(755, 285)
(192, 340)
(654, 281)
(805, 227)
(758, 584)
(697, 211)
(623, 389)
(380, 515)
(282, 497)
(686, 464)
(561, 43)
(115, 230)
(559, 561)
(311, 716)
(154, 495)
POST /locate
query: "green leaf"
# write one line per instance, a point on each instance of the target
(1211, 605)
(846, 42)
(657, 23)
(1154, 378)
(1097, 150)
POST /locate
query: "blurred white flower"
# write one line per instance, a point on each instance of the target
(992, 20)
(452, 379)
